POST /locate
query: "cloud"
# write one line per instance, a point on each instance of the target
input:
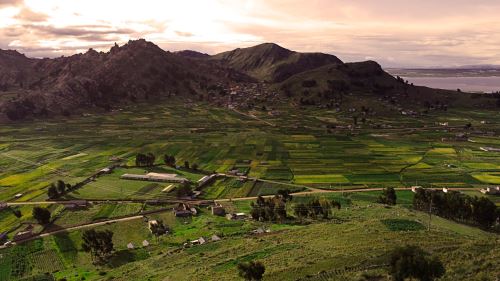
(27, 15)
(6, 3)
(184, 34)
(78, 31)
(393, 32)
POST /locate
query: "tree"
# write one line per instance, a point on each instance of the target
(388, 196)
(300, 210)
(145, 159)
(186, 164)
(17, 213)
(61, 187)
(159, 229)
(184, 190)
(413, 262)
(52, 192)
(194, 166)
(98, 243)
(269, 209)
(251, 271)
(169, 160)
(150, 159)
(42, 215)
(484, 211)
(285, 194)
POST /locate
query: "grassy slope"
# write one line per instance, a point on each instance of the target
(290, 252)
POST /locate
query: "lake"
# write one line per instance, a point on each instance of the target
(466, 84)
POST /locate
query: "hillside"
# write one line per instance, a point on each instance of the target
(14, 69)
(139, 70)
(273, 63)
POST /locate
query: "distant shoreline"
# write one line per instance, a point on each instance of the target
(444, 72)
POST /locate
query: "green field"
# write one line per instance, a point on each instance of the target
(360, 236)
(300, 153)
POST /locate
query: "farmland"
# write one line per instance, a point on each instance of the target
(301, 153)
(358, 236)
(38, 153)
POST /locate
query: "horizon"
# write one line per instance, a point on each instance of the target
(397, 35)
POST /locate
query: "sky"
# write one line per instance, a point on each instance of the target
(396, 33)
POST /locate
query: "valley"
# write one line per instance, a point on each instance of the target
(309, 151)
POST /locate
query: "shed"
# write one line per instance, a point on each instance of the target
(218, 210)
(145, 243)
(130, 246)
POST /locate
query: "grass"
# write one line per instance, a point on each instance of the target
(299, 149)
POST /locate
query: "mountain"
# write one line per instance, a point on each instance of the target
(14, 68)
(142, 71)
(273, 63)
(139, 70)
(192, 54)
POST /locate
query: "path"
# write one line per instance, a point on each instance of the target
(320, 191)
(254, 117)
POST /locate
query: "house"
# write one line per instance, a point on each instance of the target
(494, 190)
(75, 205)
(415, 188)
(130, 246)
(184, 210)
(3, 237)
(218, 210)
(156, 177)
(22, 235)
(215, 238)
(199, 241)
(145, 243)
(3, 206)
(237, 216)
(151, 224)
(206, 180)
(445, 190)
(260, 230)
(115, 159)
(19, 195)
(105, 171)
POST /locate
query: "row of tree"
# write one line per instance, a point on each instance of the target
(147, 159)
(316, 208)
(275, 208)
(269, 209)
(458, 206)
(58, 189)
(388, 196)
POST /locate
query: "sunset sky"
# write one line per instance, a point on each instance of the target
(393, 32)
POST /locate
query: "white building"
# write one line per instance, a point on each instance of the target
(158, 177)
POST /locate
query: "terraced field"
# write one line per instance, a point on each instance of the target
(302, 151)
